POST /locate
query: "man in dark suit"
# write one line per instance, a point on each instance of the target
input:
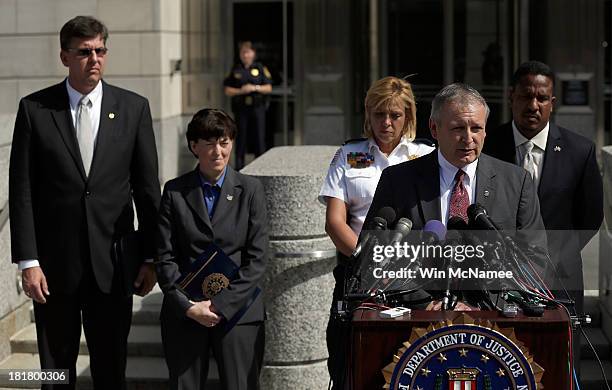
(565, 170)
(443, 184)
(82, 151)
(213, 204)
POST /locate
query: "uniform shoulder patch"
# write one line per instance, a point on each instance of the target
(336, 157)
(354, 141)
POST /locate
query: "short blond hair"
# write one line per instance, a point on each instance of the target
(385, 93)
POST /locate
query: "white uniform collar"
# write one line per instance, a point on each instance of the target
(404, 143)
(539, 139)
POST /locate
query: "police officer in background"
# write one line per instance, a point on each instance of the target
(248, 84)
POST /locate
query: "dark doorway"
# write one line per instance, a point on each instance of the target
(262, 24)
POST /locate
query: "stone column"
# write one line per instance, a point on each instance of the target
(298, 283)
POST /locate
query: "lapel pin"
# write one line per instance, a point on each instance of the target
(486, 193)
(230, 197)
(557, 148)
(111, 115)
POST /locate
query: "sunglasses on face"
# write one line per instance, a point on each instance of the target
(86, 52)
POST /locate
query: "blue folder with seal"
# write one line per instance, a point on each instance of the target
(212, 272)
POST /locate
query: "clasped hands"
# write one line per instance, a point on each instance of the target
(248, 88)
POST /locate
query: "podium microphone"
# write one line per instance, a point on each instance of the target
(384, 217)
(402, 229)
(433, 231)
(452, 238)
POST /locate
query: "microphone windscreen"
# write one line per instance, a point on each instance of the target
(456, 223)
(436, 227)
(388, 214)
(404, 225)
(474, 210)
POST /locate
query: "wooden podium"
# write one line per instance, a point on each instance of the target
(376, 340)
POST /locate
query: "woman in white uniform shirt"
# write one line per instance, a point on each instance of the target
(390, 129)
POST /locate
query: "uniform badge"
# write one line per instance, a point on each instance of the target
(248, 100)
(359, 159)
(237, 75)
(254, 72)
(267, 73)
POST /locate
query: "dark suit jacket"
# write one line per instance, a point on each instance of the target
(238, 227)
(57, 214)
(570, 191)
(506, 191)
(412, 189)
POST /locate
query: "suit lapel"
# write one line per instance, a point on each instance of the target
(551, 158)
(195, 198)
(485, 182)
(60, 112)
(428, 188)
(108, 113)
(230, 193)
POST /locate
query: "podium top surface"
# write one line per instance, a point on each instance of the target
(365, 317)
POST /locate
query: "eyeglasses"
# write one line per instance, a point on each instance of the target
(86, 51)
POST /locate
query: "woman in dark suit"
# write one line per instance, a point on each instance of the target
(213, 204)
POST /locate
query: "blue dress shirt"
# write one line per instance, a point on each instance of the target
(212, 192)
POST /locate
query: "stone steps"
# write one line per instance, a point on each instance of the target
(146, 367)
(144, 340)
(142, 372)
(590, 373)
(600, 343)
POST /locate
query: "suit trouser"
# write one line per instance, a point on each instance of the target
(251, 123)
(337, 336)
(106, 320)
(187, 346)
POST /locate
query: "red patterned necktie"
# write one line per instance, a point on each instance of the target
(459, 200)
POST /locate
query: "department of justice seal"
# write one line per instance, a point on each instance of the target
(213, 284)
(463, 355)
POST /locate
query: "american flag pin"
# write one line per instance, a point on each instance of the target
(557, 148)
(230, 197)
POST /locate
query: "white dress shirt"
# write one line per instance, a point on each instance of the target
(447, 182)
(539, 147)
(74, 97)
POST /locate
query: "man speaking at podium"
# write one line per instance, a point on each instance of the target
(443, 184)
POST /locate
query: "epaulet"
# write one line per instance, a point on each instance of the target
(354, 141)
(425, 141)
